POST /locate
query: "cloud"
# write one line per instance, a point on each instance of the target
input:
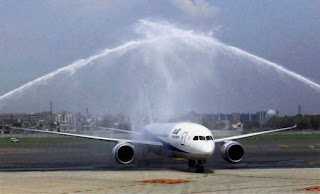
(196, 8)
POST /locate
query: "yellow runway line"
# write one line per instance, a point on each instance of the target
(314, 162)
(179, 159)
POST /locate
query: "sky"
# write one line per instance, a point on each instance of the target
(41, 36)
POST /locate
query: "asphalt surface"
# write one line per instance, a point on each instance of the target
(297, 180)
(96, 155)
(87, 166)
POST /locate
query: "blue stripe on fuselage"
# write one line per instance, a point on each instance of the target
(165, 144)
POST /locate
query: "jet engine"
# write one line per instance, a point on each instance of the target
(124, 153)
(232, 151)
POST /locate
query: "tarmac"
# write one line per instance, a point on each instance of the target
(268, 167)
(220, 181)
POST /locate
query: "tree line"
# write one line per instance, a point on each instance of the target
(302, 122)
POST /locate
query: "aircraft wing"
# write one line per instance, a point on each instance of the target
(121, 130)
(252, 134)
(153, 143)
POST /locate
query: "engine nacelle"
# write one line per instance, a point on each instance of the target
(232, 151)
(124, 153)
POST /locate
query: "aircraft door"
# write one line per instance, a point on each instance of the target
(183, 138)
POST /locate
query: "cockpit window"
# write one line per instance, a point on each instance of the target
(195, 138)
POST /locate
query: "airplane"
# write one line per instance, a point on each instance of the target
(191, 141)
(187, 140)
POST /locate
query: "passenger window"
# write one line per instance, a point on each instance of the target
(195, 138)
(208, 138)
(202, 138)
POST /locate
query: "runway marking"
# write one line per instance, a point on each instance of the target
(179, 159)
(263, 177)
(166, 181)
(314, 162)
(284, 146)
(143, 182)
(107, 188)
(246, 188)
(315, 188)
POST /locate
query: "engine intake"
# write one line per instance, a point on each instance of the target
(232, 151)
(124, 153)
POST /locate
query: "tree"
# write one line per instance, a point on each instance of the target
(220, 125)
(315, 122)
(303, 122)
(249, 125)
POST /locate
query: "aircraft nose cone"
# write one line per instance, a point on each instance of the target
(208, 148)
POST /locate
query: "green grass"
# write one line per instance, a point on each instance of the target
(316, 147)
(281, 137)
(5, 141)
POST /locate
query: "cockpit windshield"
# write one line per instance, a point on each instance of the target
(208, 138)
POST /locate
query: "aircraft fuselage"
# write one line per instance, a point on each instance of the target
(188, 140)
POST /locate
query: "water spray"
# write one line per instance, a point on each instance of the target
(155, 32)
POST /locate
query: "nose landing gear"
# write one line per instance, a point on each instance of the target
(198, 165)
(192, 163)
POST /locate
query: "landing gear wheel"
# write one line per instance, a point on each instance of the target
(192, 163)
(200, 169)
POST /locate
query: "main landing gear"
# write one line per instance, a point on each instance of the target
(198, 165)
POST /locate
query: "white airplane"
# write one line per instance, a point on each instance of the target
(191, 141)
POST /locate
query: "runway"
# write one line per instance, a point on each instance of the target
(87, 167)
(220, 181)
(96, 155)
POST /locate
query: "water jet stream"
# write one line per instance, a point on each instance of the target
(234, 50)
(255, 59)
(69, 69)
(154, 32)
